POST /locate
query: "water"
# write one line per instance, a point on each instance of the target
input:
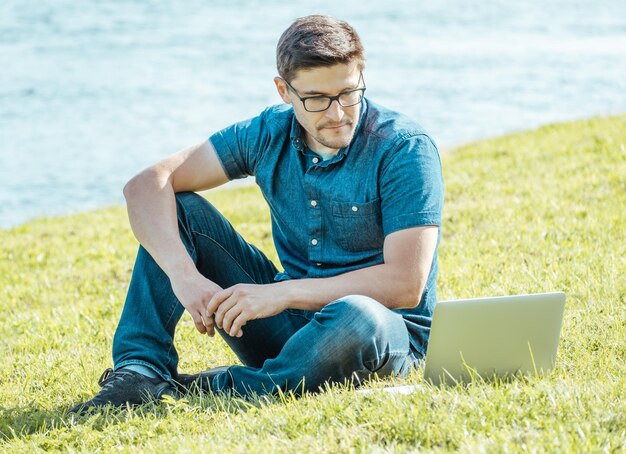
(91, 92)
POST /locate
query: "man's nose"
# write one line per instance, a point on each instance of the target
(335, 111)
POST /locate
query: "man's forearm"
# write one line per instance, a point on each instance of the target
(393, 288)
(151, 205)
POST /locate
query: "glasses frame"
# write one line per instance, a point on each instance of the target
(303, 99)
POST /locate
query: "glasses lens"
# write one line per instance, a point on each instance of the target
(317, 104)
(320, 103)
(351, 98)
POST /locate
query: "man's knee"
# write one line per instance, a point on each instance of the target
(368, 332)
(189, 201)
(356, 305)
(196, 213)
(361, 316)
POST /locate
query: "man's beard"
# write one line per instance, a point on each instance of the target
(337, 142)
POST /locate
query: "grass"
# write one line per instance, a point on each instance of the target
(537, 211)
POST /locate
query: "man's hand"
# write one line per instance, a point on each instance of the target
(194, 292)
(234, 306)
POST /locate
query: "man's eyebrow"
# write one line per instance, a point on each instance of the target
(318, 93)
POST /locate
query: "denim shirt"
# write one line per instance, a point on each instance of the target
(331, 216)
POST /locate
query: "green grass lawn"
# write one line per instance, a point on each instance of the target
(538, 211)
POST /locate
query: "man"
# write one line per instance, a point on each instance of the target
(355, 193)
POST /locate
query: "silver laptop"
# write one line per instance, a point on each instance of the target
(499, 337)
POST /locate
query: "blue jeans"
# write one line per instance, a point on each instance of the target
(350, 339)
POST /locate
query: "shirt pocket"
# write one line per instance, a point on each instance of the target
(357, 226)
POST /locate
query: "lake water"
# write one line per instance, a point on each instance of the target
(91, 92)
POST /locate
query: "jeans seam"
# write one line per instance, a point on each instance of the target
(171, 346)
(182, 225)
(226, 251)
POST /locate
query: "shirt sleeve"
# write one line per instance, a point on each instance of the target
(240, 146)
(412, 186)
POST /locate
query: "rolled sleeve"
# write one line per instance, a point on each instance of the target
(240, 145)
(412, 186)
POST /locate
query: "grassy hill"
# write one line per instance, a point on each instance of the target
(542, 210)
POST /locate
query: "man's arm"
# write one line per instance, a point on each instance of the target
(150, 197)
(397, 283)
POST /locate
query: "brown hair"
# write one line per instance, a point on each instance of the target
(317, 41)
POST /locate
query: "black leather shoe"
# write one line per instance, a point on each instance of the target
(198, 382)
(123, 387)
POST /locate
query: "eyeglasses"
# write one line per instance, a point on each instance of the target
(321, 103)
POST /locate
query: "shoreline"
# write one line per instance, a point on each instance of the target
(445, 149)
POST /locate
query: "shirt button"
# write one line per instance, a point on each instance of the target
(314, 242)
(355, 209)
(316, 160)
(313, 203)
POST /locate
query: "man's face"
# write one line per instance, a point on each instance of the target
(333, 128)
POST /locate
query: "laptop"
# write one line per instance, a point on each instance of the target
(497, 337)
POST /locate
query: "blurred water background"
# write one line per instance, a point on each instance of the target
(93, 91)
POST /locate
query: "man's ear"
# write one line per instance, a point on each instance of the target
(283, 91)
